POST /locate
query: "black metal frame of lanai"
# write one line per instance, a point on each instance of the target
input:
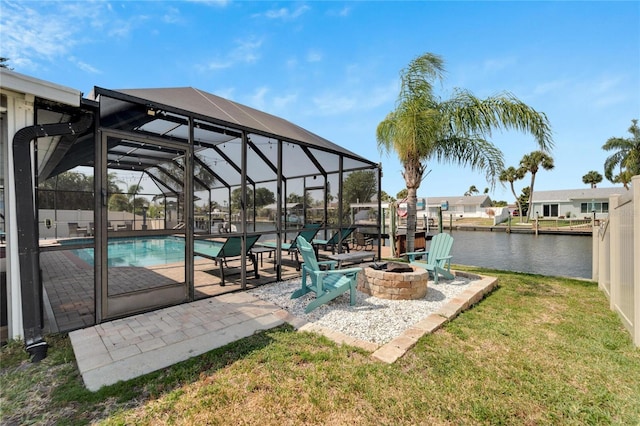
(190, 144)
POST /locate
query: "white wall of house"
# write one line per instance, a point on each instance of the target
(20, 92)
(574, 209)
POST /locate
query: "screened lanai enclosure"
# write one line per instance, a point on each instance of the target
(171, 195)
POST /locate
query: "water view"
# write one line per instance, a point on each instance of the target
(563, 255)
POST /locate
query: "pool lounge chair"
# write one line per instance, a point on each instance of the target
(77, 231)
(333, 242)
(219, 252)
(308, 233)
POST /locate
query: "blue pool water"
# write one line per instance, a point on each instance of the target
(144, 251)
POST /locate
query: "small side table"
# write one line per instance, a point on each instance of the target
(260, 251)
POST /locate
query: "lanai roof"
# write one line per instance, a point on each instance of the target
(220, 126)
(239, 116)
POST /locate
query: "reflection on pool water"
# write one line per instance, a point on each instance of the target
(143, 251)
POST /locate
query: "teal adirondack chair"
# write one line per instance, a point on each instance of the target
(219, 252)
(438, 260)
(335, 239)
(327, 284)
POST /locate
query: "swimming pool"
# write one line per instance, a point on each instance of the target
(144, 251)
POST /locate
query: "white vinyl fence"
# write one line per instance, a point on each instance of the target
(616, 257)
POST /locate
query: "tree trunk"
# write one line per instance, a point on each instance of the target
(393, 211)
(513, 190)
(412, 174)
(530, 212)
(411, 218)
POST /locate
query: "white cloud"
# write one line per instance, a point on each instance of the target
(257, 100)
(217, 3)
(498, 64)
(281, 102)
(609, 91)
(226, 93)
(342, 13)
(246, 51)
(29, 36)
(286, 14)
(314, 56)
(172, 16)
(215, 65)
(333, 103)
(34, 37)
(550, 87)
(84, 66)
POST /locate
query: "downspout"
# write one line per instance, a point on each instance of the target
(28, 248)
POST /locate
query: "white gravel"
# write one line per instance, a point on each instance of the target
(372, 319)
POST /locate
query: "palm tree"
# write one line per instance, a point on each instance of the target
(627, 157)
(424, 127)
(511, 174)
(592, 178)
(532, 163)
(132, 191)
(472, 190)
(4, 63)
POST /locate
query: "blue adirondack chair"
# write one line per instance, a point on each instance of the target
(438, 258)
(333, 242)
(219, 252)
(327, 284)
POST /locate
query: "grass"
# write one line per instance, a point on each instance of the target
(538, 350)
(542, 223)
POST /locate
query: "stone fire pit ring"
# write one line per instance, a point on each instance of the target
(394, 285)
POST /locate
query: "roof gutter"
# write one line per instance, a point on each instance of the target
(28, 247)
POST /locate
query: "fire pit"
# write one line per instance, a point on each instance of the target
(398, 281)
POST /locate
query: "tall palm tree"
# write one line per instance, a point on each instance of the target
(511, 174)
(626, 157)
(423, 127)
(592, 178)
(532, 163)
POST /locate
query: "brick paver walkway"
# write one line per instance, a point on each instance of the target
(137, 345)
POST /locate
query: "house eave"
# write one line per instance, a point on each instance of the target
(23, 84)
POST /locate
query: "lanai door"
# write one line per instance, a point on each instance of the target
(141, 249)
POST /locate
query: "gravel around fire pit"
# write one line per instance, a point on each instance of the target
(371, 319)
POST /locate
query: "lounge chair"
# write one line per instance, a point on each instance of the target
(327, 284)
(76, 230)
(438, 258)
(219, 252)
(308, 233)
(338, 237)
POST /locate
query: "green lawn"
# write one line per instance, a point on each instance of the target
(536, 351)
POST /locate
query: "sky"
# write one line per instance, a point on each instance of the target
(333, 67)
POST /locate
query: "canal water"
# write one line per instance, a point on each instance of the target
(562, 255)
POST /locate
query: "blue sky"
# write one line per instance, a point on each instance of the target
(333, 67)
